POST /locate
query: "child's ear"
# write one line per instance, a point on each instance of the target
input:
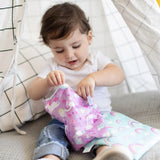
(90, 36)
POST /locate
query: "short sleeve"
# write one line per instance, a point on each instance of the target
(48, 67)
(102, 60)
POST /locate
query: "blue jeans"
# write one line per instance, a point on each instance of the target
(52, 140)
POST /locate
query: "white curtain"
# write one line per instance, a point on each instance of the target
(143, 19)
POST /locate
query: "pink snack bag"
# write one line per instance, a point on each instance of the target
(83, 121)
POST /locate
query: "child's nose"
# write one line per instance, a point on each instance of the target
(69, 53)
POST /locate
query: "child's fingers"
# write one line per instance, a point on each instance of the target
(87, 91)
(50, 82)
(79, 92)
(62, 77)
(54, 79)
(58, 77)
(91, 91)
(82, 92)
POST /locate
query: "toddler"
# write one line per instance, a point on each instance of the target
(66, 31)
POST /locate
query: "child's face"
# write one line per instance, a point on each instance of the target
(71, 52)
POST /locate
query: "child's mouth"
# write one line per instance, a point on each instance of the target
(72, 62)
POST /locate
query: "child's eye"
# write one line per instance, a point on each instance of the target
(59, 51)
(76, 46)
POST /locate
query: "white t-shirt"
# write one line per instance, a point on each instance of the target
(95, 62)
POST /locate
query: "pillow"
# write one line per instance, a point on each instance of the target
(31, 60)
(14, 78)
(83, 121)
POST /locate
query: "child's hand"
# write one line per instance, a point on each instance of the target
(86, 87)
(55, 78)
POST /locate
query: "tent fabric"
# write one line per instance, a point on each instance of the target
(11, 20)
(25, 108)
(143, 20)
(127, 31)
(10, 27)
(127, 23)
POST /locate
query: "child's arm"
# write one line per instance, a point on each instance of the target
(109, 76)
(40, 87)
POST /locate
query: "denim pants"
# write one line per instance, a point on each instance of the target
(52, 140)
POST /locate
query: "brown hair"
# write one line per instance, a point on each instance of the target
(62, 19)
